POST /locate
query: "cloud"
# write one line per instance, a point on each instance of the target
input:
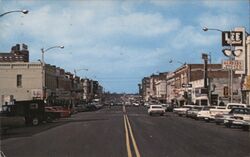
(117, 38)
(220, 21)
(164, 3)
(190, 36)
(222, 5)
(140, 24)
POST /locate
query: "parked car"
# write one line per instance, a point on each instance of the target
(246, 125)
(237, 117)
(146, 104)
(204, 113)
(164, 106)
(51, 113)
(193, 113)
(64, 112)
(80, 108)
(182, 110)
(170, 107)
(136, 104)
(236, 111)
(225, 110)
(156, 109)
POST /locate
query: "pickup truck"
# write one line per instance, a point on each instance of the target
(156, 109)
(226, 110)
(33, 111)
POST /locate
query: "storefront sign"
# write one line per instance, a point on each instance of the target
(233, 38)
(232, 64)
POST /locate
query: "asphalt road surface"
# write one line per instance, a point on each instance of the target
(126, 132)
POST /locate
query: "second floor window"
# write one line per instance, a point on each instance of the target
(19, 80)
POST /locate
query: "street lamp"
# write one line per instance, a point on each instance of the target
(43, 66)
(228, 53)
(75, 70)
(22, 11)
(212, 29)
(171, 61)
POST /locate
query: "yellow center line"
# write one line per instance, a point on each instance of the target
(127, 138)
(133, 139)
(124, 109)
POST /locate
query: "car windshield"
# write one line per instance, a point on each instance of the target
(124, 78)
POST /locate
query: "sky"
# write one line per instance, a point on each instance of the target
(120, 42)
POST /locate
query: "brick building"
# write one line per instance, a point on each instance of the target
(18, 53)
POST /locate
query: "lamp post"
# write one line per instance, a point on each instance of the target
(22, 11)
(43, 67)
(171, 61)
(230, 71)
(76, 70)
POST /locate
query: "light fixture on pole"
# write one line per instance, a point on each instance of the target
(230, 55)
(43, 67)
(171, 61)
(22, 11)
(76, 70)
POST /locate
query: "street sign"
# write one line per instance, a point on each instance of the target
(186, 85)
(232, 64)
(233, 38)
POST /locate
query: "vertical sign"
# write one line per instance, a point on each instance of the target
(241, 56)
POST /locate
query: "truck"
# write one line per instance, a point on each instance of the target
(33, 112)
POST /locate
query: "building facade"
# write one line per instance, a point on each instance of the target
(24, 81)
(18, 53)
(186, 85)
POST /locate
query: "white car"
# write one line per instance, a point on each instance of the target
(225, 110)
(136, 104)
(238, 117)
(182, 110)
(156, 109)
(204, 113)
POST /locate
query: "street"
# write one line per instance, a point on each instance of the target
(122, 132)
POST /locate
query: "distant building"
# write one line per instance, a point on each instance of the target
(185, 85)
(19, 53)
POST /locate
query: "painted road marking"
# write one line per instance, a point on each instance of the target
(124, 109)
(127, 137)
(133, 139)
(128, 131)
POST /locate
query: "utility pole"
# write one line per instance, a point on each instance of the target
(205, 58)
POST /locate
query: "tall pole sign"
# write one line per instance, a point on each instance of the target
(236, 37)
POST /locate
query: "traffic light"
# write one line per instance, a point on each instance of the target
(225, 91)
